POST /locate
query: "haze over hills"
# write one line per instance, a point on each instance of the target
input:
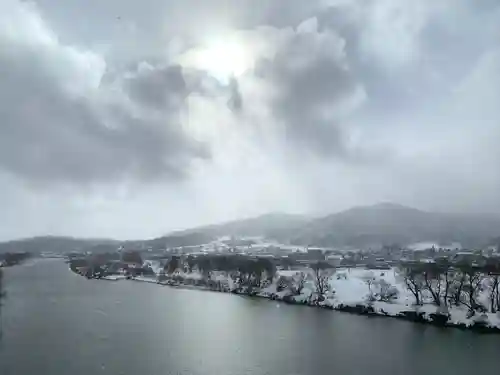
(55, 244)
(365, 226)
(269, 225)
(392, 223)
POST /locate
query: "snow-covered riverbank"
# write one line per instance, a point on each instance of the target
(350, 290)
(353, 290)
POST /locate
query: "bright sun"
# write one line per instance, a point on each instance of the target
(222, 59)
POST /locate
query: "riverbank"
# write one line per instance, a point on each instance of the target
(136, 327)
(346, 297)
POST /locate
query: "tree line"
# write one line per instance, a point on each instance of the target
(247, 273)
(448, 284)
(11, 259)
(441, 283)
(320, 275)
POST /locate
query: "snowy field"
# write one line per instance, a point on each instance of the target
(349, 287)
(354, 290)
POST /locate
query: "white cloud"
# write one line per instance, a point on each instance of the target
(338, 103)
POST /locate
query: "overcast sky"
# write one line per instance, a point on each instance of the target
(129, 119)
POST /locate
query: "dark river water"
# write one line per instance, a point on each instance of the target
(57, 323)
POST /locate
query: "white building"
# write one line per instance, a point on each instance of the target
(334, 259)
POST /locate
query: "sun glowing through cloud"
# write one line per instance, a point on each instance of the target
(220, 58)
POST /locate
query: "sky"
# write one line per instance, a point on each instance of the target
(130, 119)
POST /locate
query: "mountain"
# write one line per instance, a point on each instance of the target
(388, 223)
(270, 225)
(365, 226)
(174, 240)
(273, 225)
(55, 244)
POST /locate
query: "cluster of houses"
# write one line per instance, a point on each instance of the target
(111, 263)
(283, 256)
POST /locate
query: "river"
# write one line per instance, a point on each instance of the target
(55, 322)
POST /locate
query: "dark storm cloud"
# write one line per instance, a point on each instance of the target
(161, 88)
(315, 85)
(60, 124)
(235, 101)
(47, 136)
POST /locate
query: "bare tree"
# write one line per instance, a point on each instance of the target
(321, 283)
(284, 282)
(161, 276)
(474, 280)
(457, 286)
(448, 279)
(263, 271)
(173, 264)
(492, 269)
(299, 281)
(432, 282)
(204, 265)
(369, 279)
(191, 263)
(322, 272)
(386, 291)
(494, 293)
(413, 280)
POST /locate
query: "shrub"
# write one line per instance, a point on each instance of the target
(439, 319)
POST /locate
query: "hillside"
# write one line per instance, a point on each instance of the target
(55, 244)
(391, 223)
(273, 225)
(174, 240)
(366, 226)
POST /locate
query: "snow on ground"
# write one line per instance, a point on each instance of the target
(114, 277)
(350, 285)
(192, 275)
(146, 279)
(423, 246)
(287, 273)
(155, 265)
(353, 289)
(349, 288)
(223, 278)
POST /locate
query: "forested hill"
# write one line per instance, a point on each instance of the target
(365, 226)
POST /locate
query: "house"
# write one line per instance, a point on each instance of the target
(469, 257)
(334, 260)
(312, 255)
